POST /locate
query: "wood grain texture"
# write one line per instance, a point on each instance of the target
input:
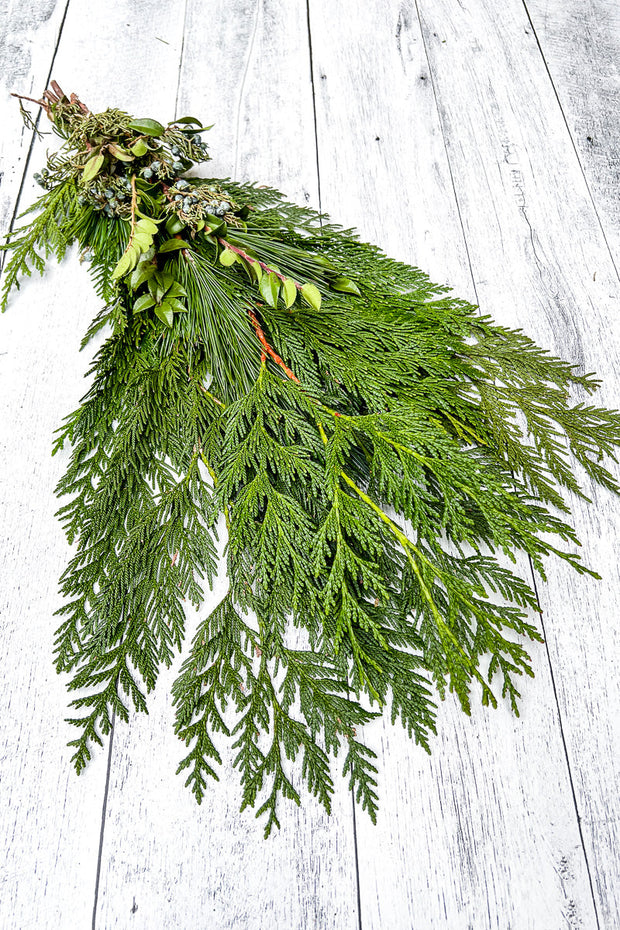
(50, 824)
(246, 69)
(580, 40)
(541, 262)
(28, 38)
(484, 834)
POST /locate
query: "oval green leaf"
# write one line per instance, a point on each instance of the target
(143, 303)
(141, 274)
(174, 226)
(119, 152)
(269, 288)
(345, 285)
(173, 245)
(227, 258)
(147, 225)
(289, 292)
(148, 127)
(92, 167)
(165, 313)
(122, 266)
(177, 290)
(187, 120)
(140, 148)
(311, 295)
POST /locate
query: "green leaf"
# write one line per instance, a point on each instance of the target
(173, 245)
(289, 292)
(147, 127)
(143, 303)
(165, 313)
(176, 290)
(126, 263)
(160, 284)
(215, 224)
(92, 167)
(228, 257)
(141, 273)
(174, 225)
(312, 295)
(175, 304)
(142, 241)
(345, 285)
(139, 148)
(269, 287)
(186, 120)
(119, 152)
(147, 225)
(258, 271)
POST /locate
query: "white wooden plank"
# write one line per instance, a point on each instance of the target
(580, 40)
(539, 260)
(484, 834)
(50, 835)
(53, 818)
(28, 36)
(245, 68)
(40, 800)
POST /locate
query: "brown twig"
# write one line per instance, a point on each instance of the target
(271, 351)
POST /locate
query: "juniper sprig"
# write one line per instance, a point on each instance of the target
(377, 451)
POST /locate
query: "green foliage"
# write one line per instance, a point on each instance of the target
(377, 450)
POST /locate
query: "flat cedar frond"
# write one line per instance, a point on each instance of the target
(377, 451)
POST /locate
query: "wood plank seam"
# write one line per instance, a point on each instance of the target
(565, 747)
(104, 810)
(316, 130)
(34, 134)
(572, 140)
(532, 574)
(318, 180)
(181, 54)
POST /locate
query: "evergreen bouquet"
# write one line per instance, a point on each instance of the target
(373, 447)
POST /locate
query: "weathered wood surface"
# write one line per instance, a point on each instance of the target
(470, 154)
(579, 42)
(447, 138)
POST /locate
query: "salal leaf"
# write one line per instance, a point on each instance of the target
(176, 290)
(148, 127)
(215, 223)
(139, 148)
(311, 295)
(143, 303)
(174, 303)
(92, 167)
(165, 313)
(289, 292)
(269, 287)
(187, 120)
(141, 273)
(173, 245)
(345, 285)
